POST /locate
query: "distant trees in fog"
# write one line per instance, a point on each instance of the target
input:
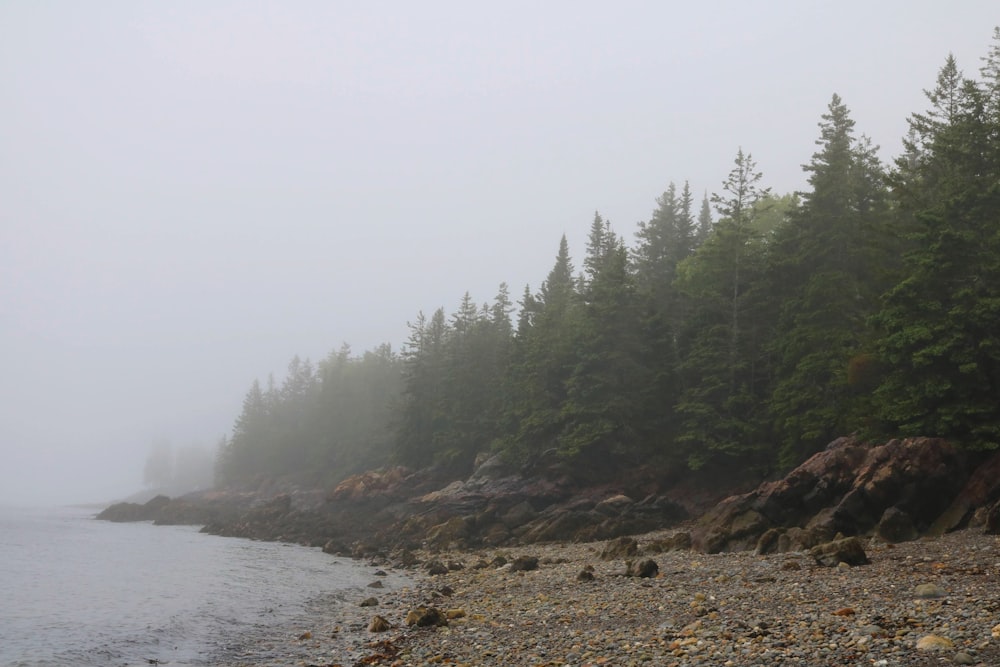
(178, 470)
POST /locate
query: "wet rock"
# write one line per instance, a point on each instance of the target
(423, 617)
(376, 584)
(614, 506)
(934, 643)
(846, 488)
(623, 547)
(371, 483)
(929, 591)
(519, 515)
(585, 575)
(454, 531)
(379, 624)
(679, 541)
(436, 567)
(644, 569)
(406, 558)
(848, 550)
(524, 564)
(126, 512)
(896, 526)
(981, 489)
(369, 602)
(992, 525)
(768, 542)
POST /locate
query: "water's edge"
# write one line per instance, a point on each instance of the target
(80, 592)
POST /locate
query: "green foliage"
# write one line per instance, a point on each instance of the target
(826, 266)
(720, 343)
(938, 324)
(868, 303)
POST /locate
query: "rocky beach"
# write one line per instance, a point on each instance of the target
(924, 602)
(883, 554)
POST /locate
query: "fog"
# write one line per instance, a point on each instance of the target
(193, 192)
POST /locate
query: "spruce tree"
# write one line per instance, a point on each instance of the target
(825, 267)
(938, 324)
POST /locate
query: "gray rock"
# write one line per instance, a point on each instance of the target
(848, 550)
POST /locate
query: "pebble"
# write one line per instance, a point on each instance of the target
(729, 609)
(929, 591)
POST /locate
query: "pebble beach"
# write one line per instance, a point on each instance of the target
(926, 602)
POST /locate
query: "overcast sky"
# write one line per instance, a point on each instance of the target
(193, 192)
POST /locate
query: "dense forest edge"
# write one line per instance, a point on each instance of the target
(736, 334)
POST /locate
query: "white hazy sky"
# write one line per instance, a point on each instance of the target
(193, 192)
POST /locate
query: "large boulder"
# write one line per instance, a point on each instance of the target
(993, 520)
(123, 512)
(846, 489)
(848, 550)
(981, 490)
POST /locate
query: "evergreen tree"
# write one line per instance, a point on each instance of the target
(424, 376)
(938, 324)
(826, 267)
(704, 222)
(720, 345)
(543, 358)
(605, 389)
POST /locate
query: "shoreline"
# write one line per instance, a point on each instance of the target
(728, 609)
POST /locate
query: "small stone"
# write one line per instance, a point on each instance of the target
(376, 584)
(369, 602)
(995, 632)
(305, 635)
(846, 611)
(524, 564)
(380, 573)
(452, 614)
(963, 659)
(435, 567)
(378, 624)
(645, 569)
(585, 575)
(927, 591)
(423, 617)
(934, 643)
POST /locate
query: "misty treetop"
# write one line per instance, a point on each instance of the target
(747, 331)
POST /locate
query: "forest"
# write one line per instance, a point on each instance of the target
(743, 330)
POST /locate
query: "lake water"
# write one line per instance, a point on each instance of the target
(76, 591)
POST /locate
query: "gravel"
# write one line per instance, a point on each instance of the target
(927, 602)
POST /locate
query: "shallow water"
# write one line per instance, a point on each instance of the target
(76, 591)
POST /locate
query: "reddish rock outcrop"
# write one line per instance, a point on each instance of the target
(847, 489)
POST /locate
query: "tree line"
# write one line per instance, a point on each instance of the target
(746, 330)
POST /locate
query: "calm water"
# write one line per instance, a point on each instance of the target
(75, 591)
